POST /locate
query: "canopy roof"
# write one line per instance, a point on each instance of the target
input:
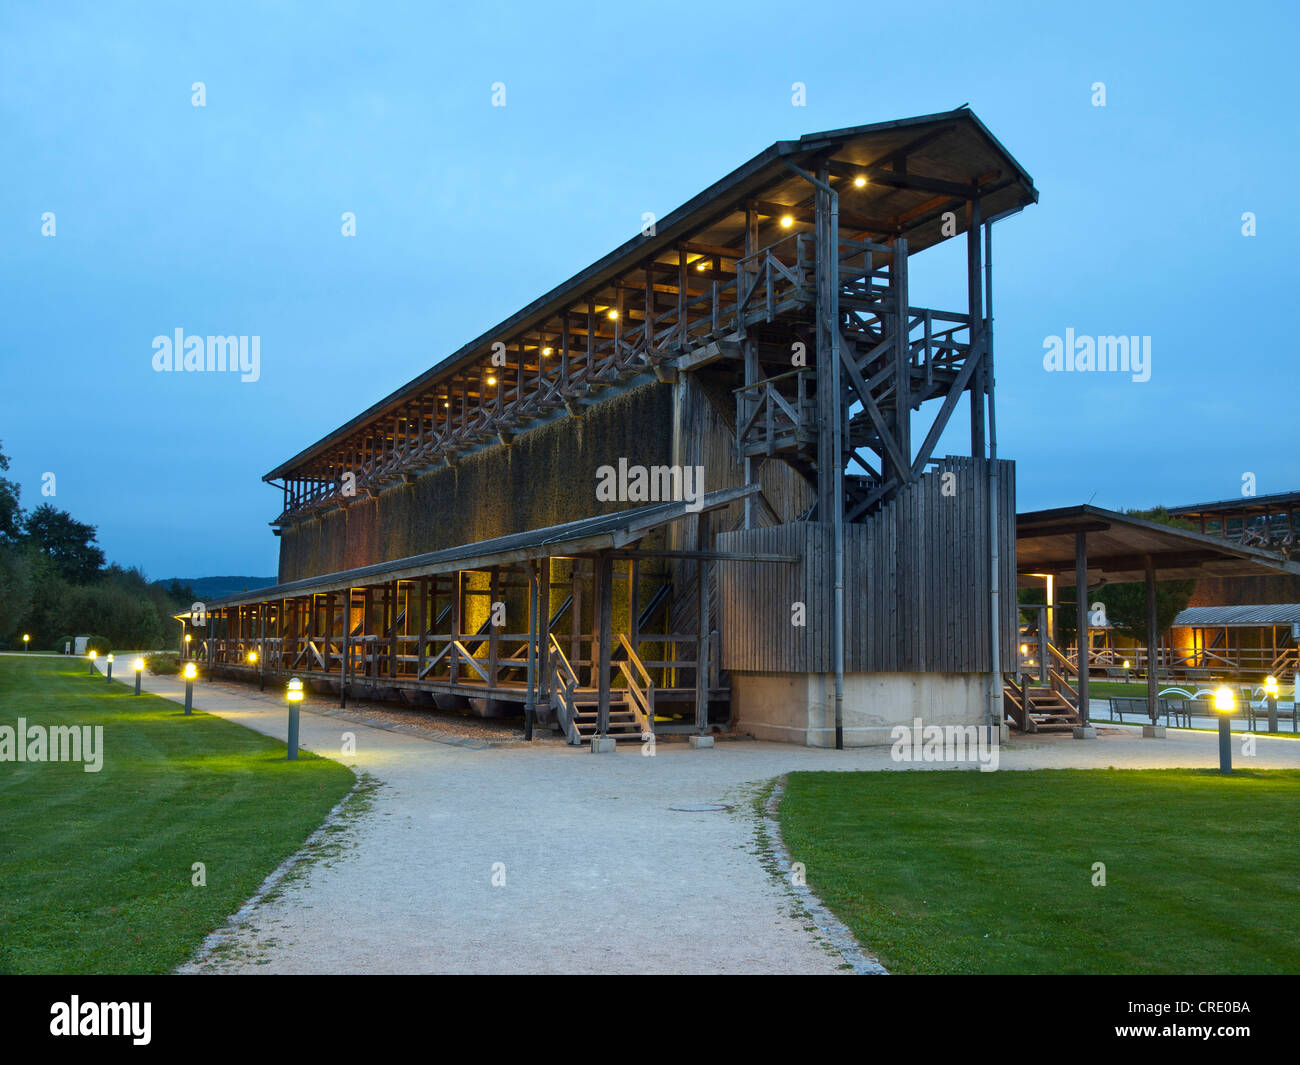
(604, 531)
(1238, 617)
(1118, 544)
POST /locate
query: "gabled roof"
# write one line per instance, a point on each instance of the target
(949, 155)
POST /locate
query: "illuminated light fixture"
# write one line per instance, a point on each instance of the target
(859, 182)
(293, 693)
(1270, 685)
(191, 671)
(1223, 701)
(447, 403)
(702, 265)
(613, 315)
(139, 664)
(786, 221)
(546, 351)
(492, 380)
(188, 637)
(1127, 665)
(94, 655)
(26, 640)
(1024, 648)
(252, 657)
(139, 672)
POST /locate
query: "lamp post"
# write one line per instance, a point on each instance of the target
(294, 694)
(139, 670)
(1223, 703)
(91, 659)
(27, 640)
(108, 673)
(1127, 667)
(1270, 691)
(188, 638)
(191, 671)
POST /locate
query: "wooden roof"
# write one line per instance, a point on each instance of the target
(1117, 545)
(916, 169)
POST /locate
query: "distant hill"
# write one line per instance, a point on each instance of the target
(216, 587)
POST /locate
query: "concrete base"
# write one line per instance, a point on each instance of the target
(1004, 733)
(700, 741)
(603, 745)
(1085, 732)
(1153, 732)
(800, 707)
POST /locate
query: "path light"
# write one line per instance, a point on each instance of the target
(108, 673)
(1270, 693)
(139, 672)
(1223, 703)
(26, 640)
(92, 657)
(191, 671)
(1127, 666)
(294, 694)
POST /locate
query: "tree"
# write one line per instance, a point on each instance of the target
(11, 513)
(69, 543)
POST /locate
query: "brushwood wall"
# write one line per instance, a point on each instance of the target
(546, 476)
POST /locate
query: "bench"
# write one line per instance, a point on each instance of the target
(1179, 710)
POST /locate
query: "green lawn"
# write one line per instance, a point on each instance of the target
(95, 868)
(968, 872)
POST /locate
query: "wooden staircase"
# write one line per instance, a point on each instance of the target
(1039, 707)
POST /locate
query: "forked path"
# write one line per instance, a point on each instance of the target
(545, 859)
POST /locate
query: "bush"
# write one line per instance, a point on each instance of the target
(99, 644)
(163, 664)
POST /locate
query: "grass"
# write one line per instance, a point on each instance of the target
(967, 872)
(96, 868)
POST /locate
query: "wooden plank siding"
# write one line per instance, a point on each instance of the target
(916, 584)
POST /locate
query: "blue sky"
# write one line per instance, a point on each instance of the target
(225, 219)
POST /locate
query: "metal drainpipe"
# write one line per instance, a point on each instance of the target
(995, 564)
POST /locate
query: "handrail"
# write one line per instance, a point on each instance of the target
(643, 698)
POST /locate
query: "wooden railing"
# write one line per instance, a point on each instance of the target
(640, 687)
(563, 684)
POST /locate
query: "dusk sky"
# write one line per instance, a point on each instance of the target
(225, 219)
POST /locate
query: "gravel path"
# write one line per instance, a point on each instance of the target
(593, 870)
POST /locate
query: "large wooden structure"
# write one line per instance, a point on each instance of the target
(767, 335)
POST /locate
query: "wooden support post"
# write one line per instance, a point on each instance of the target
(494, 591)
(975, 307)
(346, 671)
(1153, 639)
(1081, 593)
(702, 636)
(457, 603)
(606, 627)
(423, 622)
(544, 631)
(530, 700)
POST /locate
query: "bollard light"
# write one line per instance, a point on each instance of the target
(1270, 693)
(92, 663)
(191, 671)
(108, 673)
(27, 639)
(139, 672)
(293, 693)
(1223, 703)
